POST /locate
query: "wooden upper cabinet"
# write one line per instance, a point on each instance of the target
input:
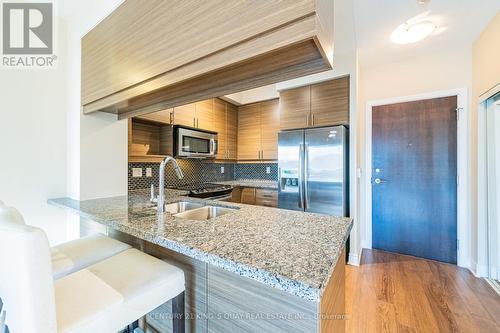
(258, 127)
(163, 117)
(295, 108)
(321, 104)
(231, 131)
(205, 114)
(249, 132)
(149, 55)
(220, 127)
(226, 126)
(330, 102)
(185, 115)
(270, 126)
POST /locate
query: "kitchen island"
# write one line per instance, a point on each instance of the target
(254, 269)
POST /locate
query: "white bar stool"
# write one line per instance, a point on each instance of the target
(80, 253)
(104, 297)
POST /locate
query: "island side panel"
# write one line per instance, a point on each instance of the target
(195, 273)
(332, 303)
(233, 298)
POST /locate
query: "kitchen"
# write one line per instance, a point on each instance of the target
(253, 166)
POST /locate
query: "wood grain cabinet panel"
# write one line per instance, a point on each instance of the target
(231, 131)
(234, 303)
(186, 50)
(270, 126)
(295, 106)
(205, 114)
(248, 195)
(163, 117)
(330, 102)
(249, 132)
(258, 128)
(321, 104)
(266, 197)
(220, 127)
(185, 115)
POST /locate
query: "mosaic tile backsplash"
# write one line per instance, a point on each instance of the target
(199, 171)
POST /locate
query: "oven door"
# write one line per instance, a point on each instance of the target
(191, 143)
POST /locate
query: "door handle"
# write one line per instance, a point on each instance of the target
(306, 175)
(301, 175)
(379, 181)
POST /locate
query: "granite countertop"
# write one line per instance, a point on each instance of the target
(292, 251)
(257, 183)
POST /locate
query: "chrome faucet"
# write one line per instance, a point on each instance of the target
(161, 189)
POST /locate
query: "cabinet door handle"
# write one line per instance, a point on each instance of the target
(194, 122)
(312, 117)
(307, 120)
(197, 123)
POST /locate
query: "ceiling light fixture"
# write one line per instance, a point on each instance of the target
(411, 33)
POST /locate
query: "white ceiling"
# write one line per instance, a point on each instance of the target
(461, 22)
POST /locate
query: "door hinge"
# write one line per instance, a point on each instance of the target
(458, 180)
(457, 110)
(458, 244)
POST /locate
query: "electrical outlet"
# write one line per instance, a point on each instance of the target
(268, 170)
(136, 172)
(149, 172)
(221, 169)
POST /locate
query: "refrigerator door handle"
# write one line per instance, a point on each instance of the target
(301, 175)
(306, 176)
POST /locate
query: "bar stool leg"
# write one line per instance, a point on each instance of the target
(178, 314)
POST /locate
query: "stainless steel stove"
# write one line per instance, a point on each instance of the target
(208, 191)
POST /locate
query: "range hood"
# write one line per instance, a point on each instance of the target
(149, 55)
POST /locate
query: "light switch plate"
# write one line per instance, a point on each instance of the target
(149, 172)
(268, 170)
(136, 172)
(221, 169)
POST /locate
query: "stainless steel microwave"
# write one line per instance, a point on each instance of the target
(194, 143)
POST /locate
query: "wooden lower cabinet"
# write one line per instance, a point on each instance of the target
(259, 197)
(264, 197)
(248, 195)
(239, 304)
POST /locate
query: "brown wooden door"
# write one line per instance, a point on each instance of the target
(414, 178)
(295, 108)
(205, 114)
(249, 132)
(270, 126)
(220, 127)
(330, 102)
(185, 115)
(231, 131)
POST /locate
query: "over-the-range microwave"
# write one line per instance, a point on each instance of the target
(194, 143)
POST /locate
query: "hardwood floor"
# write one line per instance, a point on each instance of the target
(396, 293)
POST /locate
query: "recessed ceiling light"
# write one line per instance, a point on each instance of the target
(411, 33)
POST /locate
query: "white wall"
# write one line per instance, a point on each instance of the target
(437, 71)
(33, 114)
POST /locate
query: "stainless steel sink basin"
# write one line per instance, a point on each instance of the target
(182, 206)
(204, 213)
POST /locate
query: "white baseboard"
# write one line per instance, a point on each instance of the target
(354, 258)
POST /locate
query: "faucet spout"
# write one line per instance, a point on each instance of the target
(161, 189)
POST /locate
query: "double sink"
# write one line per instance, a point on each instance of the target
(196, 210)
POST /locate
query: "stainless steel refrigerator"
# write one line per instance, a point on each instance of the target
(313, 170)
